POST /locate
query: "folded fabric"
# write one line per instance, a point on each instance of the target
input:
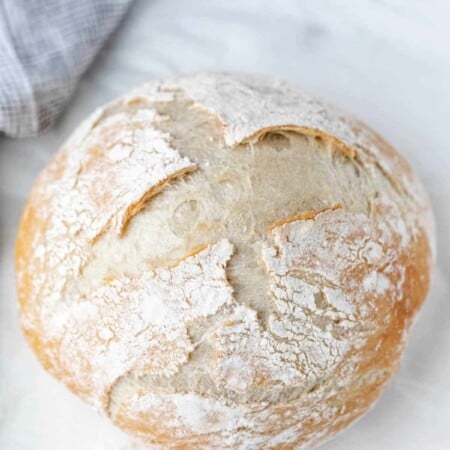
(45, 46)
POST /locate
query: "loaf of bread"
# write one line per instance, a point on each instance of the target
(220, 261)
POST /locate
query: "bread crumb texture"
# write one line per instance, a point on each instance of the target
(222, 261)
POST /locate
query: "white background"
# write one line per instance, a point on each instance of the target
(387, 62)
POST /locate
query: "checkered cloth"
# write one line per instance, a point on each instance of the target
(45, 46)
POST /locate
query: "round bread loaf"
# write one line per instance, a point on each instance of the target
(221, 261)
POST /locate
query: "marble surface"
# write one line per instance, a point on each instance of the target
(387, 62)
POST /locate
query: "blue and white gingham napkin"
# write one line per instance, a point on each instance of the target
(45, 46)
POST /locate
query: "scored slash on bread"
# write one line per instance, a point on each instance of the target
(302, 216)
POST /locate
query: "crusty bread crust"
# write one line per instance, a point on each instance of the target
(171, 353)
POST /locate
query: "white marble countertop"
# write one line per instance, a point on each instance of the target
(386, 61)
